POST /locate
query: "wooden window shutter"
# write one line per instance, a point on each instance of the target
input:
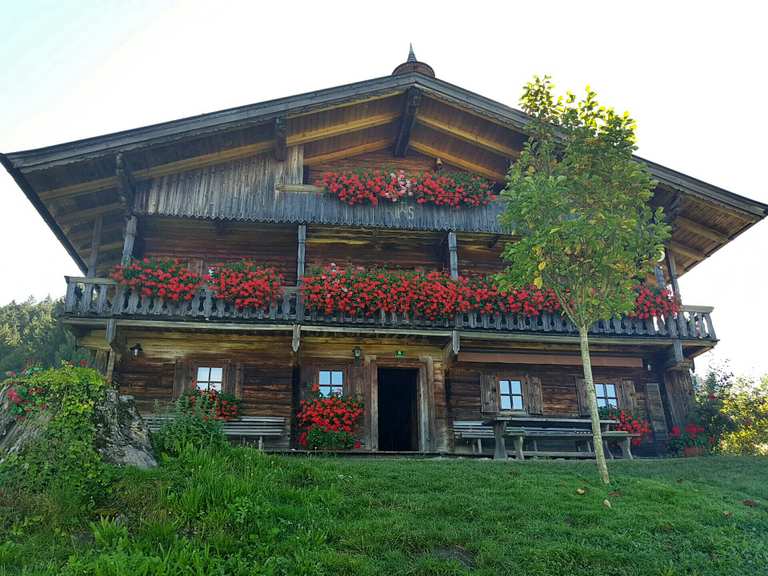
(626, 395)
(655, 409)
(581, 396)
(489, 394)
(532, 395)
(233, 375)
(182, 377)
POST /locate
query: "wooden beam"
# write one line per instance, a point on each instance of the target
(78, 238)
(348, 152)
(453, 257)
(126, 185)
(549, 359)
(302, 247)
(458, 161)
(160, 170)
(411, 102)
(222, 156)
(342, 128)
(687, 251)
(130, 238)
(94, 252)
(701, 230)
(281, 145)
(466, 136)
(79, 216)
(103, 248)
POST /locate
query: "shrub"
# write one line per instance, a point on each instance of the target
(64, 457)
(191, 425)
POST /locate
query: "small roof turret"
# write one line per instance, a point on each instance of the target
(413, 65)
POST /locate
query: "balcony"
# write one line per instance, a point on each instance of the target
(103, 299)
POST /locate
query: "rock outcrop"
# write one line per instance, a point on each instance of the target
(122, 437)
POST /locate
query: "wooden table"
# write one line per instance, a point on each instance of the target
(500, 421)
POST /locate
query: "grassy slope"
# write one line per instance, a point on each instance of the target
(230, 513)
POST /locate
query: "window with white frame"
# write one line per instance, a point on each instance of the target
(606, 396)
(511, 394)
(209, 378)
(331, 383)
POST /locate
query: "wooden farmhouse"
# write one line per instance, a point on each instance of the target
(248, 184)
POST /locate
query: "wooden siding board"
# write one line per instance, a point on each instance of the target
(246, 190)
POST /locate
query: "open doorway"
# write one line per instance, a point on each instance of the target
(398, 409)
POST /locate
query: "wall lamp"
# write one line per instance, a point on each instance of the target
(135, 350)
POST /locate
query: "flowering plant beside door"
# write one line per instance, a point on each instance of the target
(328, 423)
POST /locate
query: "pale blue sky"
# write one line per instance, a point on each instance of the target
(691, 73)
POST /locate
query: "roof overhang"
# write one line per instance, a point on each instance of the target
(87, 166)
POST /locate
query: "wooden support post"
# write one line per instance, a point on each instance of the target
(300, 258)
(499, 427)
(130, 239)
(93, 257)
(453, 255)
(296, 339)
(126, 184)
(407, 120)
(281, 142)
(672, 269)
(302, 247)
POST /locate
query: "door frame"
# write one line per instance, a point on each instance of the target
(424, 399)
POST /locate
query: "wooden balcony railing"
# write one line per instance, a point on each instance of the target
(103, 298)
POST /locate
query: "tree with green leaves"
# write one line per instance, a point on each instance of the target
(31, 334)
(578, 201)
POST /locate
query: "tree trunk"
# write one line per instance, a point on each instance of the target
(589, 384)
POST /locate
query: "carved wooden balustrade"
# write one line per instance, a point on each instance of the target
(103, 298)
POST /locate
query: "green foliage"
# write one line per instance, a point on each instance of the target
(243, 512)
(579, 202)
(192, 425)
(748, 408)
(63, 463)
(31, 334)
(321, 439)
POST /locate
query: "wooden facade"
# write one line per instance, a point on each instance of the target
(242, 183)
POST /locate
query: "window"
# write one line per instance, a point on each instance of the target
(606, 396)
(331, 383)
(209, 378)
(511, 394)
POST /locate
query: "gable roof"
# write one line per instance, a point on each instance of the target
(466, 129)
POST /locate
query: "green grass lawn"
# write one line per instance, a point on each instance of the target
(242, 512)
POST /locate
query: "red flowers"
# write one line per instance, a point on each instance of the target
(690, 436)
(211, 404)
(329, 423)
(246, 284)
(453, 189)
(159, 277)
(432, 295)
(652, 301)
(629, 423)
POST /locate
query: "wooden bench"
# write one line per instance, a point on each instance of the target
(472, 430)
(477, 430)
(244, 427)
